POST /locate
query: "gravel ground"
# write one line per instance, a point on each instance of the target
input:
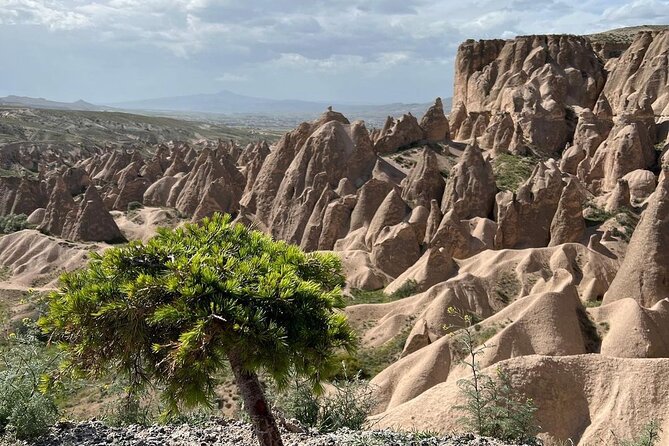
(220, 432)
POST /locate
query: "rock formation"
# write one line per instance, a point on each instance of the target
(434, 123)
(644, 274)
(91, 222)
(473, 182)
(424, 182)
(397, 134)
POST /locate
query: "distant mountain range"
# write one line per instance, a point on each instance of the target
(227, 103)
(24, 101)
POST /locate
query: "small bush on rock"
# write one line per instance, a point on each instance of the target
(13, 223)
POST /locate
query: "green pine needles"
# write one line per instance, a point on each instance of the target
(175, 310)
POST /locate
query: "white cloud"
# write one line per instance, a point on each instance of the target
(51, 14)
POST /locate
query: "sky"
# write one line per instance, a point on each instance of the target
(351, 51)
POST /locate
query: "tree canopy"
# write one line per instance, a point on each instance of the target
(174, 309)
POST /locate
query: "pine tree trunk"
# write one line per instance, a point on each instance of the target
(255, 403)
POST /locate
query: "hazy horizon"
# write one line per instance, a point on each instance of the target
(371, 52)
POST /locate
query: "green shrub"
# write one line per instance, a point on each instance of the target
(407, 289)
(492, 408)
(134, 205)
(129, 410)
(298, 401)
(649, 436)
(346, 406)
(13, 223)
(358, 296)
(512, 170)
(25, 411)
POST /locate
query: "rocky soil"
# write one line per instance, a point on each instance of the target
(234, 433)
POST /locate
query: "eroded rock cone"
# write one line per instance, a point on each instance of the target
(536, 201)
(644, 273)
(131, 186)
(401, 133)
(619, 198)
(628, 147)
(391, 212)
(498, 134)
(60, 205)
(395, 249)
(472, 181)
(91, 222)
(29, 196)
(260, 199)
(568, 225)
(434, 123)
(332, 152)
(214, 184)
(424, 182)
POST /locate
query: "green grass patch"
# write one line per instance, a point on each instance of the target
(507, 287)
(358, 296)
(512, 170)
(369, 362)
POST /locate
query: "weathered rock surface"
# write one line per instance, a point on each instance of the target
(644, 274)
(424, 182)
(434, 123)
(91, 222)
(472, 181)
(398, 133)
(533, 79)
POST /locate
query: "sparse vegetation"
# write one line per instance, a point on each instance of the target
(26, 409)
(13, 223)
(649, 436)
(492, 406)
(591, 336)
(512, 170)
(369, 362)
(507, 287)
(134, 205)
(346, 405)
(358, 296)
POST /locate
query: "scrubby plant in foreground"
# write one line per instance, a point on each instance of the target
(346, 405)
(175, 310)
(492, 408)
(25, 411)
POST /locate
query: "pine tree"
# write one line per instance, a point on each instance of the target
(175, 310)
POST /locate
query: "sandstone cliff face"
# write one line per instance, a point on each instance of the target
(531, 80)
(640, 75)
